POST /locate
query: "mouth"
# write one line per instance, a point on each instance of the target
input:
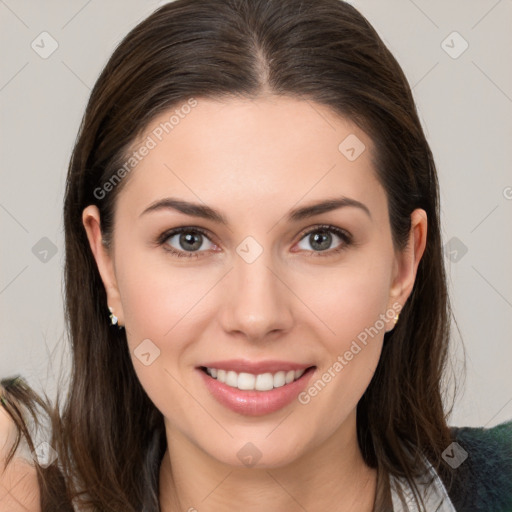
(245, 381)
(255, 393)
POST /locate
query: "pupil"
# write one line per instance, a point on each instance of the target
(189, 239)
(321, 234)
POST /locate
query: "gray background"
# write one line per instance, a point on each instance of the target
(465, 103)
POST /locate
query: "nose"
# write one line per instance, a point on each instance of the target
(258, 301)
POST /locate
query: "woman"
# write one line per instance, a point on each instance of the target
(255, 288)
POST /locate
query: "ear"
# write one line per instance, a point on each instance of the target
(104, 259)
(407, 261)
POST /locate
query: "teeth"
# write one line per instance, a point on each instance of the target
(232, 379)
(250, 382)
(264, 382)
(246, 381)
(279, 379)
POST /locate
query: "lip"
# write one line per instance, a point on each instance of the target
(243, 365)
(256, 403)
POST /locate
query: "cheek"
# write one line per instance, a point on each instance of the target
(353, 309)
(155, 303)
(161, 303)
(155, 296)
(348, 300)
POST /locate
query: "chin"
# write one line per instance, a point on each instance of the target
(257, 453)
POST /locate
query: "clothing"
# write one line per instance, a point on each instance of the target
(432, 489)
(483, 482)
(479, 479)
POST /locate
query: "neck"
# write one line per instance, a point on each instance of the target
(332, 476)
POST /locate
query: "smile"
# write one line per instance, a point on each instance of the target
(255, 394)
(249, 382)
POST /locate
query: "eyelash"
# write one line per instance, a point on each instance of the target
(342, 234)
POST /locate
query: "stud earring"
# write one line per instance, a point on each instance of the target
(396, 317)
(113, 318)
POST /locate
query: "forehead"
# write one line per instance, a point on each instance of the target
(270, 150)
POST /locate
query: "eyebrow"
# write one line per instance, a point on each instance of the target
(295, 215)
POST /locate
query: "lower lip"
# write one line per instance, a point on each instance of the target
(256, 403)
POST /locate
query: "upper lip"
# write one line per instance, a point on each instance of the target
(243, 365)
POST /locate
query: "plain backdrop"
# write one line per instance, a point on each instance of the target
(456, 55)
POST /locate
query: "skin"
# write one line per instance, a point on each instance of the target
(255, 161)
(19, 488)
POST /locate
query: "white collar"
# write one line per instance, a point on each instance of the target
(431, 488)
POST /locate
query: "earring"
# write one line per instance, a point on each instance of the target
(396, 317)
(113, 318)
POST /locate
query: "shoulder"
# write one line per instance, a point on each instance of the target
(479, 467)
(19, 487)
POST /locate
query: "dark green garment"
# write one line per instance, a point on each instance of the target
(483, 481)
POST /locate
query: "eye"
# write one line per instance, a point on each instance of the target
(320, 239)
(187, 239)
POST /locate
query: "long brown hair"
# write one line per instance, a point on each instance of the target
(323, 51)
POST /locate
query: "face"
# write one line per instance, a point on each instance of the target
(266, 285)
